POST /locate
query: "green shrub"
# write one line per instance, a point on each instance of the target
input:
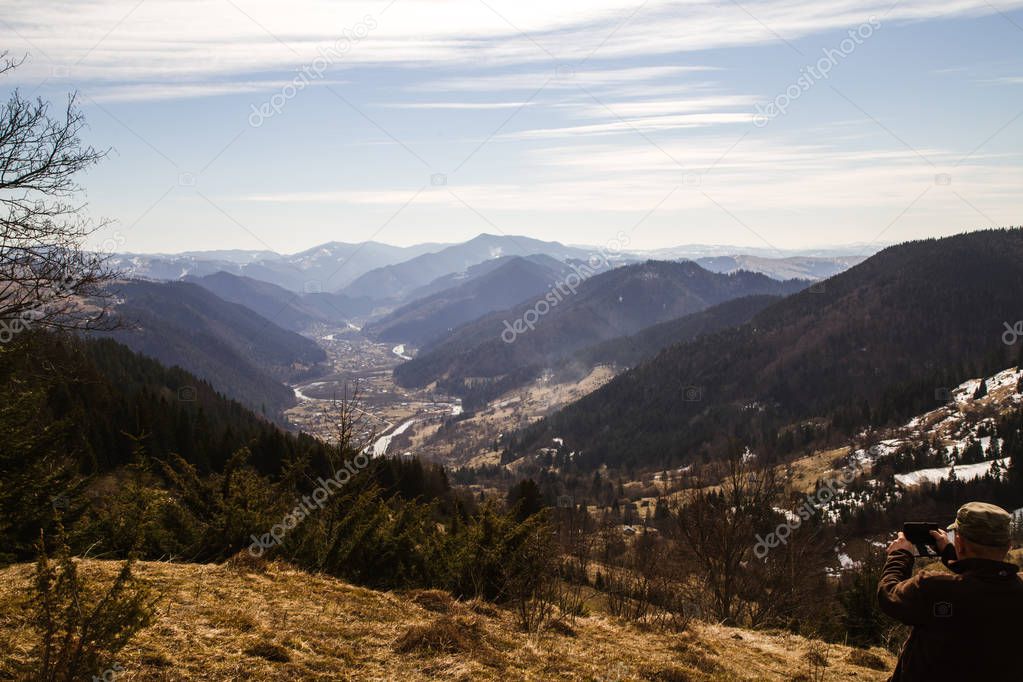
(82, 627)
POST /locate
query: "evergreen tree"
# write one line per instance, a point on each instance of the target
(994, 451)
(973, 453)
(524, 499)
(35, 477)
(981, 390)
(861, 616)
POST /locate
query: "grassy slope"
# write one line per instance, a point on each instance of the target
(228, 622)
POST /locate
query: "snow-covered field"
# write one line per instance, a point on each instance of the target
(964, 472)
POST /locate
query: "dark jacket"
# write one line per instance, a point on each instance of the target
(966, 625)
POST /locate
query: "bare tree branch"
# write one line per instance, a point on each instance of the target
(47, 278)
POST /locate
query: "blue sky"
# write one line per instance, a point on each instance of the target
(421, 120)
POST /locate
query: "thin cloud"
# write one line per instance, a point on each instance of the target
(630, 126)
(1003, 80)
(457, 105)
(146, 43)
(563, 78)
(138, 92)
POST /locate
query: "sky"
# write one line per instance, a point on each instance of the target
(257, 124)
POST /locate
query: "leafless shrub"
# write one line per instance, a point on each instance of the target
(626, 593)
(531, 580)
(577, 543)
(817, 660)
(894, 636)
(716, 527)
(647, 586)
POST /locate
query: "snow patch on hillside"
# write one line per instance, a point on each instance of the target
(948, 424)
(964, 472)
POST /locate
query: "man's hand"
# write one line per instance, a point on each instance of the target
(940, 539)
(902, 543)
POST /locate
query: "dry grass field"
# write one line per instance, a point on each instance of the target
(271, 622)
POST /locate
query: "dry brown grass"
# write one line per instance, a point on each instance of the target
(272, 622)
(437, 601)
(867, 659)
(806, 471)
(447, 634)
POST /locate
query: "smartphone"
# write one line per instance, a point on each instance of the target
(919, 533)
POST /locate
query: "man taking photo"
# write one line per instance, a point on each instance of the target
(966, 624)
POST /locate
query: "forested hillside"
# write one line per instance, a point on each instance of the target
(874, 344)
(287, 309)
(479, 360)
(430, 317)
(112, 396)
(243, 354)
(133, 457)
(630, 350)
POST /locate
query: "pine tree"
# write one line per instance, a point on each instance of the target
(972, 454)
(81, 629)
(996, 470)
(861, 617)
(524, 499)
(994, 451)
(981, 390)
(35, 478)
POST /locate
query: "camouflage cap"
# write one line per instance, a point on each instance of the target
(983, 523)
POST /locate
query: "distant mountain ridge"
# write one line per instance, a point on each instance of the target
(326, 267)
(474, 360)
(399, 280)
(512, 281)
(697, 251)
(793, 267)
(288, 309)
(396, 275)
